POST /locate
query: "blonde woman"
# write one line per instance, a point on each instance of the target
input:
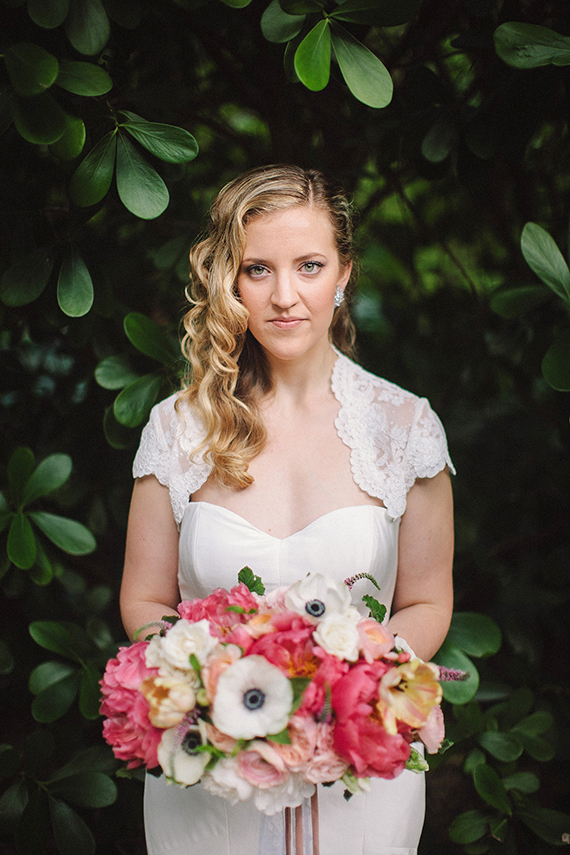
(284, 455)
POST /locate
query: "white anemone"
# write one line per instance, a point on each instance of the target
(180, 762)
(253, 698)
(316, 597)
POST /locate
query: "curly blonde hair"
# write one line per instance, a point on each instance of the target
(228, 371)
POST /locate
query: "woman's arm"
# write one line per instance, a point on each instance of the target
(149, 588)
(423, 599)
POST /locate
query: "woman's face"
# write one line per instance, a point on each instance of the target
(287, 281)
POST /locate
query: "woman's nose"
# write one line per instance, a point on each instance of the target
(284, 291)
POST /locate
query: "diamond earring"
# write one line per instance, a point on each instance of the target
(338, 296)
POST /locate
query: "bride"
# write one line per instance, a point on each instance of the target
(284, 455)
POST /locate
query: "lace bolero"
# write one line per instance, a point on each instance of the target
(394, 437)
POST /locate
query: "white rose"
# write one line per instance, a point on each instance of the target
(316, 597)
(184, 639)
(291, 793)
(224, 780)
(338, 635)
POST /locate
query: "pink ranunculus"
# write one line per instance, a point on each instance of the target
(221, 658)
(375, 639)
(220, 740)
(325, 765)
(214, 608)
(262, 766)
(303, 735)
(128, 670)
(433, 732)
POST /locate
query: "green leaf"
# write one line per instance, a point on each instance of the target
(149, 338)
(474, 633)
(498, 826)
(504, 746)
(468, 827)
(84, 78)
(6, 659)
(549, 825)
(74, 285)
(377, 610)
(12, 804)
(366, 77)
(491, 788)
(31, 834)
(298, 684)
(116, 434)
(251, 581)
(237, 4)
(92, 178)
(98, 758)
(71, 834)
(516, 302)
(70, 535)
(22, 548)
(545, 259)
(10, 760)
(455, 692)
(48, 476)
(40, 119)
(439, 141)
(5, 513)
(87, 26)
(530, 45)
(85, 789)
(114, 372)
(39, 750)
(47, 674)
(32, 69)
(556, 363)
(473, 759)
(277, 26)
(313, 57)
(89, 693)
(133, 405)
(70, 145)
(524, 782)
(126, 13)
(26, 279)
(20, 467)
(300, 7)
(281, 738)
(42, 572)
(535, 724)
(380, 13)
(48, 13)
(53, 702)
(539, 748)
(64, 638)
(141, 189)
(168, 142)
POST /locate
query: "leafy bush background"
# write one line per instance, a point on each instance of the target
(102, 111)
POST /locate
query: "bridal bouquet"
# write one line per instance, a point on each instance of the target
(265, 695)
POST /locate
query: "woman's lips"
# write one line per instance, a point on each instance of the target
(286, 323)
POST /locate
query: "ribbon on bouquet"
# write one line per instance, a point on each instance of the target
(294, 831)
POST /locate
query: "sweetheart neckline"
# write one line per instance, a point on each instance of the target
(289, 536)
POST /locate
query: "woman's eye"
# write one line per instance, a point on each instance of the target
(311, 266)
(256, 270)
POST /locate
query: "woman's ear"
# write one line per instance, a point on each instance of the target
(345, 276)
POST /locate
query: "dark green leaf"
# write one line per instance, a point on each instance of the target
(537, 747)
(89, 693)
(498, 826)
(72, 835)
(149, 338)
(22, 546)
(277, 26)
(84, 78)
(313, 57)
(48, 476)
(32, 831)
(74, 285)
(545, 259)
(524, 782)
(300, 7)
(47, 674)
(70, 145)
(42, 572)
(32, 69)
(114, 372)
(530, 45)
(24, 281)
(69, 535)
(463, 691)
(253, 582)
(549, 825)
(6, 659)
(53, 702)
(475, 634)
(468, 827)
(504, 746)
(473, 759)
(6, 513)
(515, 302)
(87, 26)
(133, 405)
(141, 189)
(9, 760)
(48, 13)
(491, 788)
(367, 78)
(12, 804)
(535, 724)
(6, 110)
(40, 119)
(92, 178)
(67, 639)
(556, 363)
(380, 13)
(116, 434)
(168, 142)
(126, 13)
(98, 758)
(440, 141)
(85, 789)
(20, 467)
(237, 4)
(39, 749)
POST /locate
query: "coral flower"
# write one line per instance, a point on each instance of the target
(408, 693)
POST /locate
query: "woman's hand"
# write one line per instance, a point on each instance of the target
(149, 588)
(423, 599)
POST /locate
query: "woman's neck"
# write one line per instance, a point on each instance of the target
(296, 383)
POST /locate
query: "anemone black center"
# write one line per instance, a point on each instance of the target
(254, 699)
(315, 608)
(191, 742)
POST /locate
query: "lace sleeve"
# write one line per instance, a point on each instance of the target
(153, 455)
(426, 450)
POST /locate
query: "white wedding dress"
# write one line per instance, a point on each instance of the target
(394, 438)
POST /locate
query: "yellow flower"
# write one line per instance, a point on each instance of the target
(408, 693)
(169, 700)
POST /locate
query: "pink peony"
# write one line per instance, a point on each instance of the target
(325, 765)
(214, 608)
(329, 671)
(261, 765)
(433, 732)
(290, 647)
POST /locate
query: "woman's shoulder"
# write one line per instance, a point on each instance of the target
(355, 386)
